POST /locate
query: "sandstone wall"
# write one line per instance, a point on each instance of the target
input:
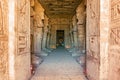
(98, 25)
(114, 41)
(22, 39)
(4, 40)
(93, 39)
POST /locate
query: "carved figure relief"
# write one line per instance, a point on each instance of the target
(115, 11)
(115, 36)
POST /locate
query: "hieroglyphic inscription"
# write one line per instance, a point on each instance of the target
(1, 20)
(22, 43)
(22, 20)
(115, 36)
(115, 10)
(22, 25)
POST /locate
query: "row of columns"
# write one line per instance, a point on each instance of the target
(40, 28)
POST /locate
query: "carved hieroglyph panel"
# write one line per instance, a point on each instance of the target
(93, 17)
(115, 36)
(114, 46)
(115, 10)
(23, 26)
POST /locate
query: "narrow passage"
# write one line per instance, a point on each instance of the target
(59, 65)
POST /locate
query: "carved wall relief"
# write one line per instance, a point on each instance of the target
(115, 36)
(22, 26)
(22, 43)
(114, 40)
(115, 11)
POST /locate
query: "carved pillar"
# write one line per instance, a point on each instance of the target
(53, 37)
(71, 35)
(67, 37)
(48, 37)
(37, 40)
(44, 41)
(38, 25)
(75, 36)
(81, 16)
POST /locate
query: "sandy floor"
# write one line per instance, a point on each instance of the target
(59, 65)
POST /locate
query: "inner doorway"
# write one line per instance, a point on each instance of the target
(60, 38)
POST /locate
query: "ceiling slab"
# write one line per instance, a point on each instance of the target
(59, 8)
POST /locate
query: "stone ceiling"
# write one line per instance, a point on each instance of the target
(60, 8)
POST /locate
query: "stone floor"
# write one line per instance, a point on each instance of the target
(59, 65)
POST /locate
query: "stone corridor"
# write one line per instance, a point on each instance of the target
(31, 32)
(59, 65)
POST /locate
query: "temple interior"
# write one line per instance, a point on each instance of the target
(59, 40)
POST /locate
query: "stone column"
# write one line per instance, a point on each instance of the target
(53, 37)
(81, 16)
(75, 37)
(38, 25)
(71, 37)
(48, 37)
(44, 41)
(67, 37)
(37, 40)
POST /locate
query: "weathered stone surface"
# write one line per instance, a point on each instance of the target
(114, 41)
(4, 40)
(93, 37)
(32, 3)
(22, 46)
(104, 36)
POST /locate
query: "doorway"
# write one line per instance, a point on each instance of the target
(60, 38)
